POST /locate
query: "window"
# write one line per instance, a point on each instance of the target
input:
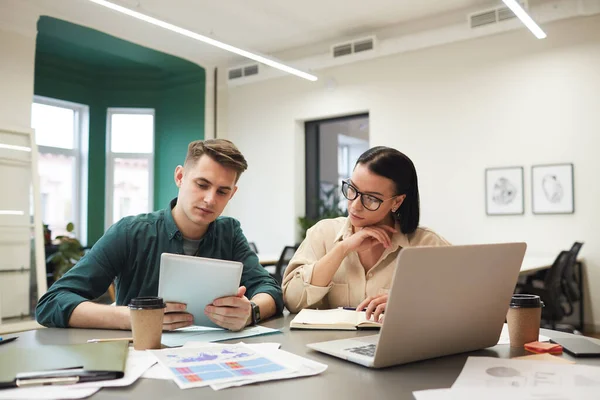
(61, 131)
(129, 163)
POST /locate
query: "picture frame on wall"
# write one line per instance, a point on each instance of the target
(552, 189)
(504, 191)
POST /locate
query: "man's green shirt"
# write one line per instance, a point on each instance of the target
(129, 254)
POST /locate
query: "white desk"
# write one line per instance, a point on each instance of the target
(533, 264)
(266, 259)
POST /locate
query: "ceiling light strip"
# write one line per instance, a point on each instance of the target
(525, 18)
(261, 59)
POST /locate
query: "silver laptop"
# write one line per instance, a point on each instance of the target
(443, 300)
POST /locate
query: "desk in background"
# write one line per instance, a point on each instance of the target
(268, 261)
(342, 380)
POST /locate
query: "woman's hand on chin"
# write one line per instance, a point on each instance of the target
(368, 237)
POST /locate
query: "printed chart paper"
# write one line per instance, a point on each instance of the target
(203, 366)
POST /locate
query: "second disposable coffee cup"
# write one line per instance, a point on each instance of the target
(523, 319)
(147, 314)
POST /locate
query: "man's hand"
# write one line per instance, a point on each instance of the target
(176, 317)
(233, 313)
(375, 306)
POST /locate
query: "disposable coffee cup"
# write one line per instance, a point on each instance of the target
(146, 315)
(523, 319)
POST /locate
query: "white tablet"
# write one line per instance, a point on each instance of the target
(197, 281)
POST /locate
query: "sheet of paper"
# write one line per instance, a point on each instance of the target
(47, 393)
(179, 338)
(259, 347)
(503, 394)
(546, 358)
(303, 367)
(328, 317)
(500, 372)
(214, 363)
(196, 328)
(157, 371)
(137, 363)
(505, 339)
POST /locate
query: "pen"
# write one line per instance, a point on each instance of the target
(352, 308)
(110, 340)
(8, 340)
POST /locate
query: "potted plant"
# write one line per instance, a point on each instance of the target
(69, 251)
(329, 207)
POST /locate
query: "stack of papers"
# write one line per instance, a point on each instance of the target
(226, 365)
(497, 378)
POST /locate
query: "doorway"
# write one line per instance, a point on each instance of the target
(332, 148)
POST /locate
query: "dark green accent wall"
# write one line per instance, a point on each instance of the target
(85, 66)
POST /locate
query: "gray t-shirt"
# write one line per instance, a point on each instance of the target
(190, 246)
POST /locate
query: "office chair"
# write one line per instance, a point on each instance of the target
(570, 283)
(253, 247)
(286, 255)
(552, 293)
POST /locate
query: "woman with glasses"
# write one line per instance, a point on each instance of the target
(350, 261)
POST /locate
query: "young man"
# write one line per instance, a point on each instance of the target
(130, 252)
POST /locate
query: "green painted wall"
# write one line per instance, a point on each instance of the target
(85, 66)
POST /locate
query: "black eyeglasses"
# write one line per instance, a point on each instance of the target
(368, 201)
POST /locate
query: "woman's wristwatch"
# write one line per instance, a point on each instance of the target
(255, 313)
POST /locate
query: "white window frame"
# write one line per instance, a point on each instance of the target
(81, 118)
(110, 158)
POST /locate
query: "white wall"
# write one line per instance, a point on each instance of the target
(505, 100)
(17, 54)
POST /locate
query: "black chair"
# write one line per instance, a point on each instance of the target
(253, 247)
(552, 292)
(284, 259)
(571, 280)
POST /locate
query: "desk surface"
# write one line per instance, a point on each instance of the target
(268, 258)
(532, 264)
(342, 380)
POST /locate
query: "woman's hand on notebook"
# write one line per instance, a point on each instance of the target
(176, 317)
(375, 306)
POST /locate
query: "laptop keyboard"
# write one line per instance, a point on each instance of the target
(368, 350)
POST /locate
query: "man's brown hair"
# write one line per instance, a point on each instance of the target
(221, 150)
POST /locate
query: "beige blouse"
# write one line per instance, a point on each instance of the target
(350, 284)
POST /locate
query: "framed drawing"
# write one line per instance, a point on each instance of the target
(552, 189)
(504, 191)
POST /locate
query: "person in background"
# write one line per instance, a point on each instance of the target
(130, 253)
(350, 261)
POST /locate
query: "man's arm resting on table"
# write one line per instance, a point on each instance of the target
(101, 316)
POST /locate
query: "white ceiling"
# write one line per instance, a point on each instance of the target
(271, 26)
(266, 26)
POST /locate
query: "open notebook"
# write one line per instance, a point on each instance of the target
(336, 319)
